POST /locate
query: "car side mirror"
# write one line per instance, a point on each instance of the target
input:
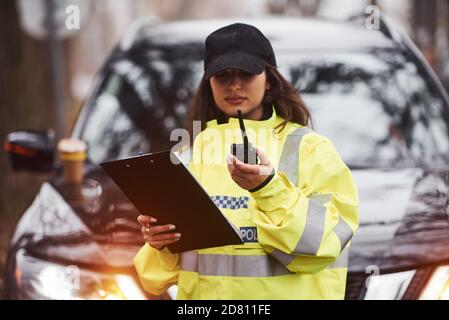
(31, 150)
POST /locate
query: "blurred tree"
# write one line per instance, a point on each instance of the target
(25, 102)
(443, 53)
(306, 8)
(425, 27)
(309, 8)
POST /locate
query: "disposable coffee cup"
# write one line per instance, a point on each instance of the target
(72, 154)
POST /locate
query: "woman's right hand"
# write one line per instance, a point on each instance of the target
(157, 236)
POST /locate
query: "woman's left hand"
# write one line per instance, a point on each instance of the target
(249, 176)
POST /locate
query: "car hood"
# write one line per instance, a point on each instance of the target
(93, 223)
(403, 219)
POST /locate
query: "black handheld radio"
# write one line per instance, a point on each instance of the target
(245, 151)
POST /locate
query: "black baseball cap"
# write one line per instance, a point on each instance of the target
(240, 46)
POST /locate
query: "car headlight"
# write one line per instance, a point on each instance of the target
(438, 286)
(390, 286)
(41, 279)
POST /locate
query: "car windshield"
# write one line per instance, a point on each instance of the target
(376, 106)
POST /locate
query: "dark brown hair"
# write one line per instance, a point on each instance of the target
(282, 94)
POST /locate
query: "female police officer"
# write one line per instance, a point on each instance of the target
(297, 208)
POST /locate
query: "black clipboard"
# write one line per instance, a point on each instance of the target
(161, 188)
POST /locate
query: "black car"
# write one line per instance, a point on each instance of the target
(369, 91)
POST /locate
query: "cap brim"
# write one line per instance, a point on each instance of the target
(247, 62)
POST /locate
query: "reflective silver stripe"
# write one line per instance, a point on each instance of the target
(288, 162)
(342, 261)
(232, 266)
(313, 232)
(314, 229)
(282, 257)
(286, 259)
(322, 198)
(189, 261)
(343, 232)
(310, 240)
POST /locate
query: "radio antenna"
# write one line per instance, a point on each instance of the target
(245, 137)
(243, 130)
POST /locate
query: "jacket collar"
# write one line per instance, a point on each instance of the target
(255, 124)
